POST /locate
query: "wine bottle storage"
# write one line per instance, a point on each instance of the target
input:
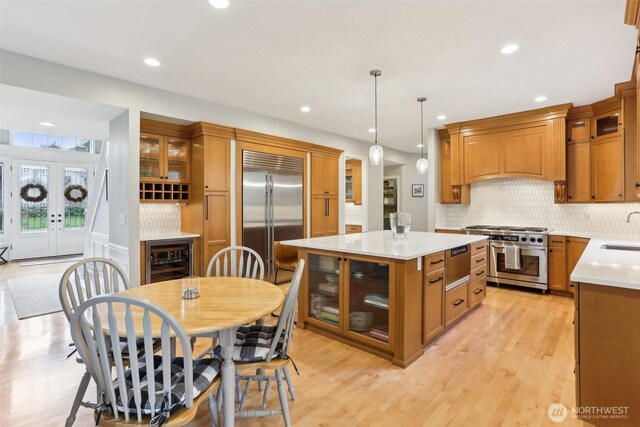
(169, 260)
(164, 192)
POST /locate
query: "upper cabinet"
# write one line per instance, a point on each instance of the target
(450, 194)
(353, 181)
(530, 144)
(165, 156)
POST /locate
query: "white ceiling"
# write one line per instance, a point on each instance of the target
(271, 57)
(22, 109)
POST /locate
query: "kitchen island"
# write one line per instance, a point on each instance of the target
(606, 322)
(390, 297)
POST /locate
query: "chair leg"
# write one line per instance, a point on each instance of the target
(282, 394)
(260, 373)
(213, 408)
(287, 378)
(82, 389)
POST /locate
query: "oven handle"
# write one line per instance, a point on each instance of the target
(522, 247)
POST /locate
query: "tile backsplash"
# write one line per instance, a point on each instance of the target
(528, 202)
(159, 218)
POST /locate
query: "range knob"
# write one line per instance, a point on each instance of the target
(524, 239)
(539, 239)
(532, 239)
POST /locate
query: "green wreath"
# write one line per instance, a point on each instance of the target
(75, 193)
(42, 193)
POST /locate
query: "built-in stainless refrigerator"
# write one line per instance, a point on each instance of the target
(272, 201)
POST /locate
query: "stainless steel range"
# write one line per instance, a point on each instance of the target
(517, 255)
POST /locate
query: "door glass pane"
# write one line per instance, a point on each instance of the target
(76, 196)
(149, 156)
(324, 288)
(34, 198)
(348, 187)
(369, 299)
(177, 159)
(529, 265)
(607, 125)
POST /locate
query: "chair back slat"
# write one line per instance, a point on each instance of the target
(148, 349)
(118, 362)
(129, 317)
(236, 261)
(284, 327)
(89, 278)
(133, 349)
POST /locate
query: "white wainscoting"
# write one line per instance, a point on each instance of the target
(120, 255)
(98, 246)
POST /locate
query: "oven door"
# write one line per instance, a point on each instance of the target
(533, 264)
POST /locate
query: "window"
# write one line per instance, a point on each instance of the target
(36, 140)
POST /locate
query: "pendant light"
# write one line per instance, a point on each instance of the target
(375, 152)
(422, 164)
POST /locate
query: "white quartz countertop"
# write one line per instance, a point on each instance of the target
(382, 244)
(609, 267)
(167, 236)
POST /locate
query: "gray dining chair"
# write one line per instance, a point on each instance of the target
(236, 261)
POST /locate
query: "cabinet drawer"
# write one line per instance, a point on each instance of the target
(478, 260)
(353, 229)
(479, 273)
(477, 292)
(557, 241)
(434, 262)
(432, 306)
(455, 304)
(479, 248)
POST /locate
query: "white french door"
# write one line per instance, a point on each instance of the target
(49, 208)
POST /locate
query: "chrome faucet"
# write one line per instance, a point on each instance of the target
(632, 213)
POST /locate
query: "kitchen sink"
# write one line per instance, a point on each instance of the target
(620, 247)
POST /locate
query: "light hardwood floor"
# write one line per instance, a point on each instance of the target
(502, 366)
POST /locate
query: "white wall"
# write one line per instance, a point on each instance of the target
(416, 206)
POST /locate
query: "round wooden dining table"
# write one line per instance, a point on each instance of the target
(225, 303)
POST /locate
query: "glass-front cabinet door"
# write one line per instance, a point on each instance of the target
(177, 160)
(151, 158)
(323, 284)
(607, 124)
(369, 300)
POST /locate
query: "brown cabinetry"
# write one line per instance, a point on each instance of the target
(557, 264)
(607, 350)
(579, 160)
(433, 298)
(324, 195)
(450, 194)
(455, 303)
(564, 253)
(165, 156)
(350, 228)
(353, 181)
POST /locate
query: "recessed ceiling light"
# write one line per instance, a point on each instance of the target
(420, 145)
(510, 48)
(152, 62)
(47, 124)
(441, 117)
(540, 98)
(305, 108)
(372, 130)
(219, 4)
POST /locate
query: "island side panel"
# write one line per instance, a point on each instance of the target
(408, 313)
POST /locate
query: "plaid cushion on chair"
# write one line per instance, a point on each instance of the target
(124, 347)
(204, 372)
(253, 343)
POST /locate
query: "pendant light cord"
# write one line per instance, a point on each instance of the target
(421, 128)
(375, 91)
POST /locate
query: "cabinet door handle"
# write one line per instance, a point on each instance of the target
(436, 280)
(206, 207)
(326, 207)
(458, 302)
(479, 273)
(479, 247)
(479, 260)
(478, 291)
(437, 262)
(572, 285)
